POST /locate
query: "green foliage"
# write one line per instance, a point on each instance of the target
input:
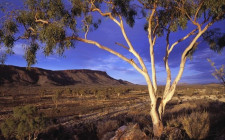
(2, 58)
(11, 27)
(215, 39)
(123, 7)
(1, 35)
(52, 34)
(78, 7)
(9, 41)
(54, 22)
(26, 18)
(26, 122)
(8, 128)
(30, 54)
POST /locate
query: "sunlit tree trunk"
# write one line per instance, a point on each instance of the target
(156, 121)
(154, 109)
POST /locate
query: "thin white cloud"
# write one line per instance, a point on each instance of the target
(19, 49)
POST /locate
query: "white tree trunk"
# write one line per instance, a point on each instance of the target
(156, 119)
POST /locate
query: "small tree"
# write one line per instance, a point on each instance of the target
(53, 24)
(219, 74)
(68, 91)
(42, 93)
(25, 123)
(56, 97)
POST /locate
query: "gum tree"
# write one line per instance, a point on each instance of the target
(57, 24)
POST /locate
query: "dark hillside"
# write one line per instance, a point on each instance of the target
(17, 76)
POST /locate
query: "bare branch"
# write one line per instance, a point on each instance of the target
(157, 25)
(130, 46)
(109, 2)
(32, 29)
(87, 26)
(120, 24)
(40, 20)
(151, 42)
(108, 14)
(213, 21)
(182, 39)
(117, 43)
(168, 79)
(108, 50)
(169, 94)
(199, 7)
(21, 37)
(144, 4)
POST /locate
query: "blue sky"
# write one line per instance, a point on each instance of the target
(85, 56)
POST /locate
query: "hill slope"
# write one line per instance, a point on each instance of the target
(14, 75)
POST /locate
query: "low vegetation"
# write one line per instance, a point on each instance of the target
(26, 123)
(98, 112)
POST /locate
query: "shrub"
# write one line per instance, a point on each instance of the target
(81, 92)
(196, 124)
(173, 133)
(42, 93)
(100, 94)
(106, 126)
(56, 97)
(68, 91)
(8, 128)
(174, 123)
(25, 122)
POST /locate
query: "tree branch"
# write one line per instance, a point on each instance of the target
(117, 43)
(108, 14)
(157, 25)
(199, 7)
(120, 24)
(193, 21)
(131, 47)
(170, 94)
(108, 50)
(143, 71)
(151, 42)
(40, 20)
(180, 40)
(168, 79)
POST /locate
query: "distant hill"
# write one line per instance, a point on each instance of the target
(20, 76)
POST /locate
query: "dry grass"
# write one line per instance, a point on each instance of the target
(196, 125)
(116, 111)
(106, 126)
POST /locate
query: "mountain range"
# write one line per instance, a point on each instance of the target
(21, 76)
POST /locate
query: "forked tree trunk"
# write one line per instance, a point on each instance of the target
(156, 113)
(156, 116)
(156, 121)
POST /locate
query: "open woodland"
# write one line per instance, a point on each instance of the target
(96, 112)
(156, 38)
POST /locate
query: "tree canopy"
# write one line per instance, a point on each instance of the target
(54, 23)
